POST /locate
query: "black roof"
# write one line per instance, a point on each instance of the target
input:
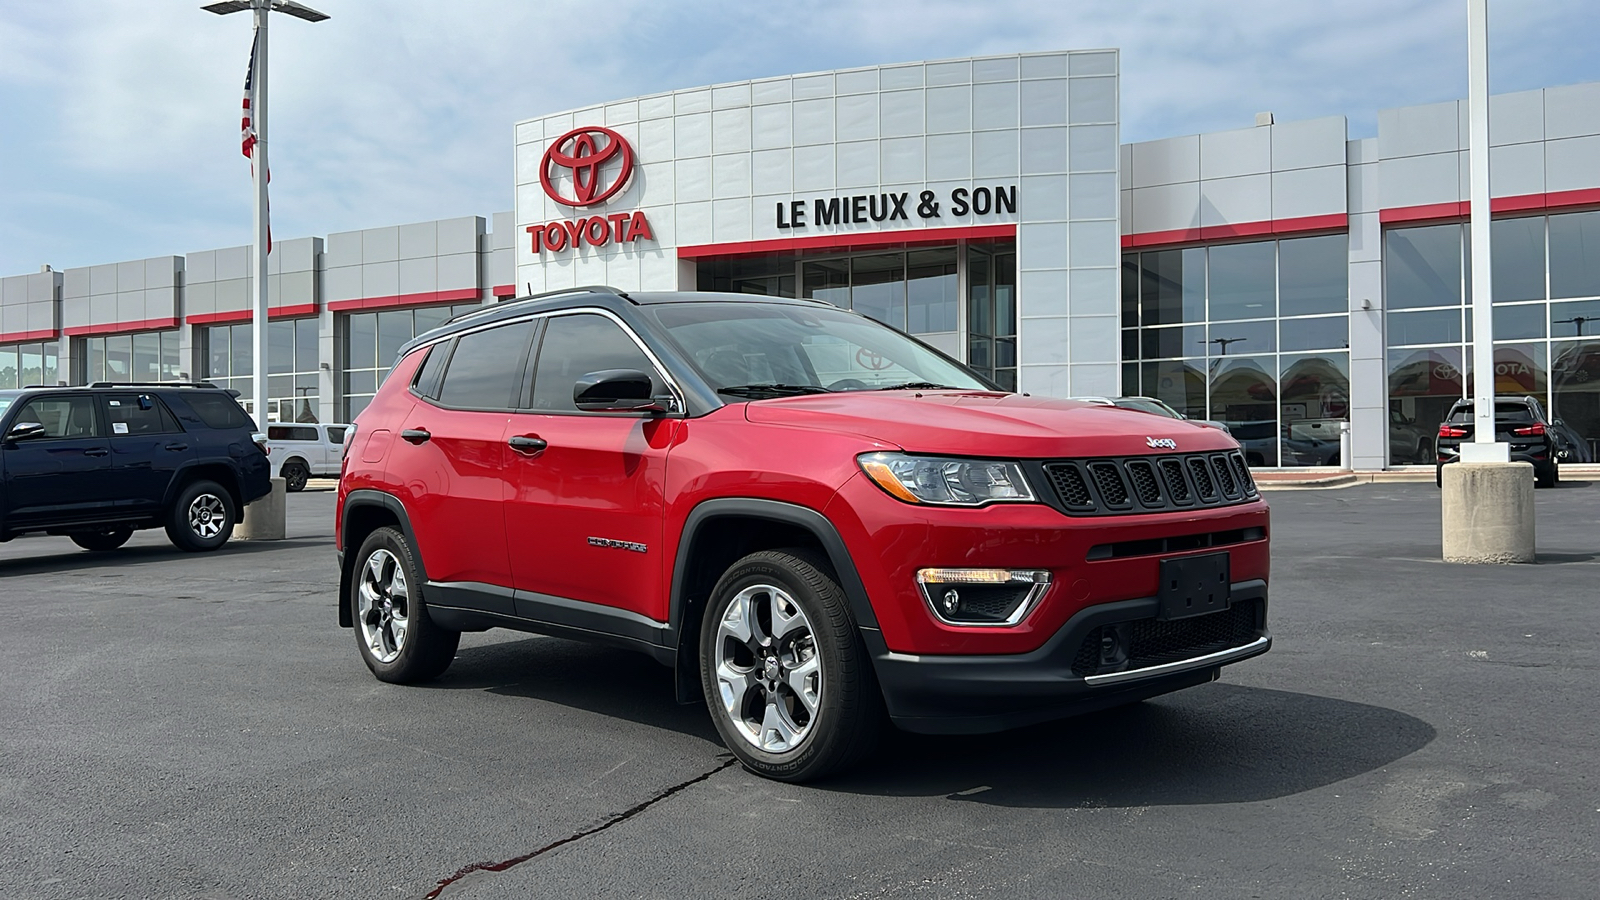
(602, 296)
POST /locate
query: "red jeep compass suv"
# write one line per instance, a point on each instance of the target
(816, 520)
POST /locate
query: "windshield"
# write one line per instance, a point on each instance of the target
(799, 349)
(1144, 405)
(5, 402)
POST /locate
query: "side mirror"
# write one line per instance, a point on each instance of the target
(25, 431)
(616, 390)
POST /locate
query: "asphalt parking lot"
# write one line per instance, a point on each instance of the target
(191, 726)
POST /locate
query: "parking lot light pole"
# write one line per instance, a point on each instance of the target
(1483, 447)
(266, 519)
(258, 162)
(1486, 500)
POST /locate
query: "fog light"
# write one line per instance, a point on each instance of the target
(987, 597)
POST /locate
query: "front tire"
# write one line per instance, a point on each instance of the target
(202, 517)
(399, 641)
(786, 678)
(102, 541)
(295, 474)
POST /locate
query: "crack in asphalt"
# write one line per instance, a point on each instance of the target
(617, 819)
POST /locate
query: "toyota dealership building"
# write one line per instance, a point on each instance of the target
(1282, 277)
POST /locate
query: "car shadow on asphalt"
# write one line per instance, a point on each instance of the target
(1217, 743)
(64, 557)
(605, 680)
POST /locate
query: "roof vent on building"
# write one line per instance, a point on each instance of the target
(45, 268)
(1263, 118)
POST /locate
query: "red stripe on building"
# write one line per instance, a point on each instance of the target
(1156, 238)
(1446, 212)
(299, 311)
(1427, 212)
(422, 299)
(505, 290)
(1297, 225)
(23, 337)
(121, 327)
(855, 240)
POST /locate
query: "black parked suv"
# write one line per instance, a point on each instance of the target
(96, 463)
(1518, 421)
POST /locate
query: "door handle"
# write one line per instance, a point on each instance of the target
(528, 445)
(416, 435)
(96, 451)
(177, 448)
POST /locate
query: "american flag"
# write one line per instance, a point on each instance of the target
(247, 124)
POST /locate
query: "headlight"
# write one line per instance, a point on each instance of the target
(947, 482)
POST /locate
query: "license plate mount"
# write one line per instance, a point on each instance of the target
(1194, 586)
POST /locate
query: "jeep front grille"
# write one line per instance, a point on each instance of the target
(1141, 484)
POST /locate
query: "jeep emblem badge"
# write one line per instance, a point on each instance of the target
(1161, 443)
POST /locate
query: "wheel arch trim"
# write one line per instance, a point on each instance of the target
(368, 499)
(777, 511)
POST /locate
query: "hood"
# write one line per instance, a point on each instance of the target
(971, 423)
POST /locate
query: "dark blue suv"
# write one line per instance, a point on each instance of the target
(95, 463)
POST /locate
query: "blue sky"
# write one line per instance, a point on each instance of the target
(119, 120)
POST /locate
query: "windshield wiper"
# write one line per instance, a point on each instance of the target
(760, 391)
(918, 386)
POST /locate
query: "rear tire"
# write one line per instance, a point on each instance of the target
(785, 675)
(1438, 474)
(295, 474)
(102, 541)
(398, 639)
(202, 517)
(1546, 476)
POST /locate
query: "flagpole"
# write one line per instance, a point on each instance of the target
(259, 238)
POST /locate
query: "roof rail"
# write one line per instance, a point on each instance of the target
(153, 384)
(581, 289)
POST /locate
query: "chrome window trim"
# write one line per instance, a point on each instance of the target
(679, 401)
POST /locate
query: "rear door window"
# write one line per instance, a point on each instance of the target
(485, 370)
(132, 414)
(336, 434)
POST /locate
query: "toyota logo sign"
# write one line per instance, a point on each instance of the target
(597, 163)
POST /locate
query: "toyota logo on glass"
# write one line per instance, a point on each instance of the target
(586, 167)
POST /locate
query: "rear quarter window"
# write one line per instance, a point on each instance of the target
(217, 410)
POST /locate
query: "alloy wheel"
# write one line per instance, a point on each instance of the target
(207, 515)
(768, 668)
(384, 606)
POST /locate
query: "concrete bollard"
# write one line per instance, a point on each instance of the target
(266, 519)
(1488, 512)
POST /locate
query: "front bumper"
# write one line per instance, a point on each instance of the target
(963, 694)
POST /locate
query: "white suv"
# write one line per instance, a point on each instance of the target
(301, 451)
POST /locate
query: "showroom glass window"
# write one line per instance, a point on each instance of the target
(1253, 334)
(918, 291)
(1546, 294)
(25, 364)
(292, 364)
(146, 357)
(370, 341)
